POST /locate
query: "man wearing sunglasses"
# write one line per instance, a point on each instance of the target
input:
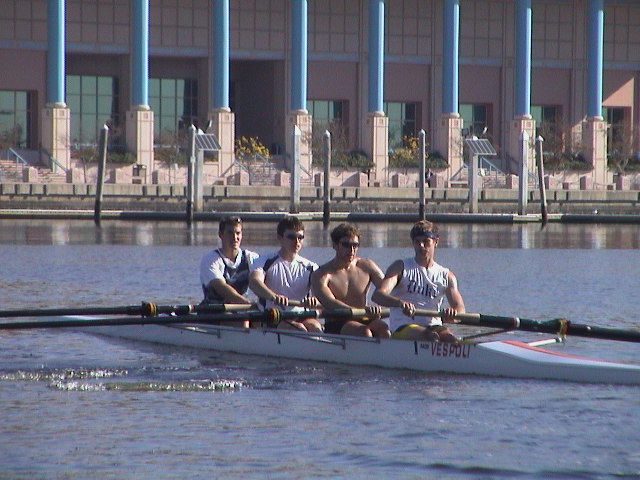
(344, 281)
(420, 282)
(284, 278)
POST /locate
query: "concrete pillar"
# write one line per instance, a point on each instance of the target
(449, 135)
(595, 39)
(139, 117)
(298, 115)
(449, 141)
(594, 138)
(377, 139)
(523, 58)
(220, 115)
(522, 122)
(376, 133)
(56, 117)
(594, 135)
(304, 122)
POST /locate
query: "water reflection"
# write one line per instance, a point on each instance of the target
(379, 235)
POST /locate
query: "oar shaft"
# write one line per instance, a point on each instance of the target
(117, 321)
(145, 309)
(270, 316)
(556, 326)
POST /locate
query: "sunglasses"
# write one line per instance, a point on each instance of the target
(350, 244)
(294, 236)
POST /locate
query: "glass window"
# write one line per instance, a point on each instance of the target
(93, 101)
(329, 115)
(476, 119)
(549, 126)
(174, 102)
(15, 119)
(617, 138)
(327, 111)
(402, 122)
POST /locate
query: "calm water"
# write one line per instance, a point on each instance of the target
(78, 406)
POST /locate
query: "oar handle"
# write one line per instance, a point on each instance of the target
(352, 312)
(469, 318)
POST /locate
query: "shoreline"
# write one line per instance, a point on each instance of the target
(268, 203)
(467, 218)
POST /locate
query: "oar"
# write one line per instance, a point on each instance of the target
(558, 326)
(272, 317)
(146, 309)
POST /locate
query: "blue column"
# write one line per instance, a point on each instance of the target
(376, 55)
(299, 55)
(523, 58)
(450, 54)
(595, 58)
(140, 53)
(55, 59)
(220, 64)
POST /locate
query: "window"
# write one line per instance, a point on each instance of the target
(329, 115)
(549, 126)
(402, 122)
(15, 119)
(476, 119)
(327, 112)
(617, 138)
(174, 102)
(93, 102)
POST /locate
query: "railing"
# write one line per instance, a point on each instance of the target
(491, 167)
(18, 157)
(240, 166)
(51, 160)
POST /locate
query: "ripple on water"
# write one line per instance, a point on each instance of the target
(88, 380)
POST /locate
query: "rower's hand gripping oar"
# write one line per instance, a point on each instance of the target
(558, 326)
(276, 316)
(146, 309)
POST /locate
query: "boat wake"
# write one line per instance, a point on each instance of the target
(90, 380)
(192, 386)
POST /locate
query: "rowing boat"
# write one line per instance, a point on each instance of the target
(199, 327)
(500, 358)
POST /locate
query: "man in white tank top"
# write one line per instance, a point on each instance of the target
(420, 283)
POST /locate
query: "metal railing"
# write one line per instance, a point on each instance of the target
(51, 160)
(18, 158)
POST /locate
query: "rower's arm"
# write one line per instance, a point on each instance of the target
(227, 292)
(320, 288)
(257, 286)
(454, 297)
(382, 294)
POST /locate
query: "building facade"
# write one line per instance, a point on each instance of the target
(371, 71)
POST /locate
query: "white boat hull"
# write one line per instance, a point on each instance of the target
(494, 358)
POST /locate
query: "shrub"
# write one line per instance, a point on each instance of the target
(352, 159)
(246, 148)
(570, 161)
(408, 155)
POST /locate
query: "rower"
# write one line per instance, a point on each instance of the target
(284, 277)
(224, 271)
(420, 282)
(344, 281)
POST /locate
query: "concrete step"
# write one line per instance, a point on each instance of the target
(12, 171)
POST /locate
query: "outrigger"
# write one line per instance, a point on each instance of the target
(198, 327)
